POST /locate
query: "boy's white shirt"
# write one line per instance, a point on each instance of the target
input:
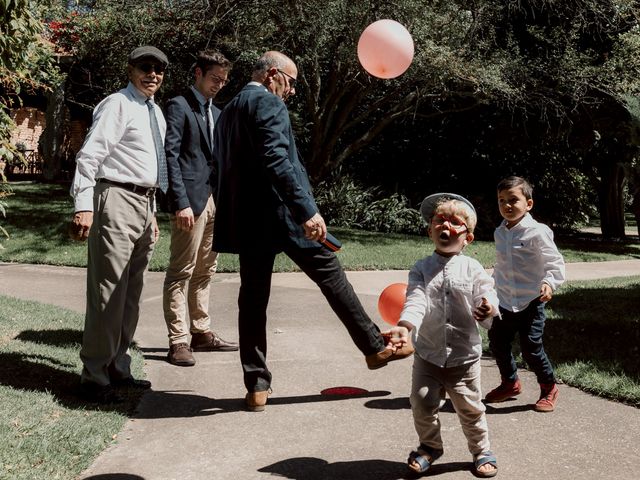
(441, 296)
(526, 257)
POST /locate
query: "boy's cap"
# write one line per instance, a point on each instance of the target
(148, 51)
(429, 203)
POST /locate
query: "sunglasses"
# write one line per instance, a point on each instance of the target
(292, 81)
(147, 67)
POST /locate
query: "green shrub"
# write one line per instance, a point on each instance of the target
(345, 203)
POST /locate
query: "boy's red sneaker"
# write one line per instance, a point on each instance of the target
(548, 398)
(504, 391)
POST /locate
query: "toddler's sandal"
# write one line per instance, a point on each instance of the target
(422, 458)
(485, 458)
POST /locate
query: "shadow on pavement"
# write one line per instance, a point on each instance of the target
(311, 468)
(181, 404)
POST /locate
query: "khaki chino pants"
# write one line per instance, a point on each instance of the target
(192, 261)
(121, 242)
(429, 386)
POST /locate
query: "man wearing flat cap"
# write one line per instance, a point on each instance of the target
(118, 169)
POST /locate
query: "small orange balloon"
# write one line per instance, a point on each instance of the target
(391, 302)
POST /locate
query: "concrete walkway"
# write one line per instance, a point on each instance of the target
(192, 425)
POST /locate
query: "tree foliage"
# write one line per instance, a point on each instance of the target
(519, 86)
(25, 62)
(25, 65)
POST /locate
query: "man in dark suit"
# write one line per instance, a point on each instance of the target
(188, 146)
(265, 206)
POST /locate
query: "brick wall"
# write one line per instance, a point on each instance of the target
(30, 122)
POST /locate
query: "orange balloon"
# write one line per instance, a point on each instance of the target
(385, 49)
(391, 302)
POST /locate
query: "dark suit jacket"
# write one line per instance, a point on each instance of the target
(189, 155)
(263, 194)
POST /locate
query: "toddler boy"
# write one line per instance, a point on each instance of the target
(448, 296)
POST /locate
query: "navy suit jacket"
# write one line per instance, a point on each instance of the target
(189, 154)
(263, 193)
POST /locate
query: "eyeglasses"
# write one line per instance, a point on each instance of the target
(292, 81)
(456, 225)
(219, 80)
(148, 67)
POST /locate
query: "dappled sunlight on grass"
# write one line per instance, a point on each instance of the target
(38, 216)
(594, 327)
(47, 430)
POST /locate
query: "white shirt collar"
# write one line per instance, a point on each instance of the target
(201, 98)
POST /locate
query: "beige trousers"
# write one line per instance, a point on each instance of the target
(429, 386)
(121, 242)
(191, 261)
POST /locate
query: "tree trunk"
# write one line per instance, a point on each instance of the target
(635, 207)
(611, 199)
(51, 143)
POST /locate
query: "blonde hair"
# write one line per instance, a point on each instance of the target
(458, 208)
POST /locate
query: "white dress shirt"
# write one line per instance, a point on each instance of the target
(526, 257)
(118, 147)
(441, 296)
(204, 103)
(205, 112)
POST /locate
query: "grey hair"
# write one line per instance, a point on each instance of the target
(270, 60)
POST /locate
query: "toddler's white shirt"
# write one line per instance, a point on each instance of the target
(441, 295)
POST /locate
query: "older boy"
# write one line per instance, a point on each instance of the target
(528, 270)
(448, 296)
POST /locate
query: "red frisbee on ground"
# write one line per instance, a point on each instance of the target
(344, 391)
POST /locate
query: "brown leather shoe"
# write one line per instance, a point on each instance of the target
(256, 401)
(210, 342)
(180, 354)
(380, 359)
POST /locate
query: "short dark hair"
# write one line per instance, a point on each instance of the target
(513, 182)
(210, 58)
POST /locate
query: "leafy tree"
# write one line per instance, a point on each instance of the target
(26, 65)
(546, 74)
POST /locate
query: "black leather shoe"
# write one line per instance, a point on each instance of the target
(131, 382)
(210, 342)
(102, 394)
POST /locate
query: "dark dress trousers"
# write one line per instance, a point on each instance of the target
(186, 141)
(263, 198)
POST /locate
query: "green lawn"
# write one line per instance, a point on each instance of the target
(46, 432)
(592, 334)
(38, 215)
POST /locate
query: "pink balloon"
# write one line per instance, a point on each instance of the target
(385, 49)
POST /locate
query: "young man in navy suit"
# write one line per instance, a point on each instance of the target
(265, 206)
(188, 146)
